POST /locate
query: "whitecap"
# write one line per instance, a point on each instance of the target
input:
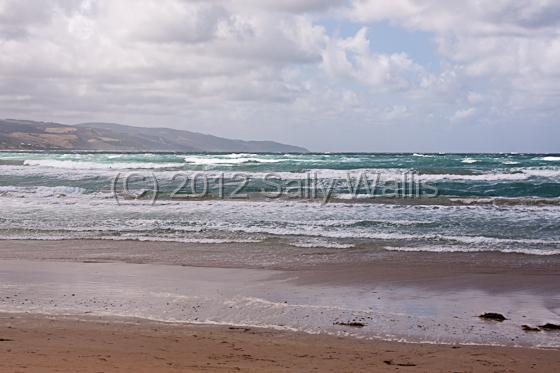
(313, 242)
(41, 191)
(78, 165)
(464, 249)
(227, 160)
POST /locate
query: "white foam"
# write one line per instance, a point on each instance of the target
(181, 240)
(463, 249)
(381, 175)
(549, 172)
(41, 191)
(77, 170)
(512, 174)
(551, 159)
(62, 237)
(308, 224)
(469, 160)
(312, 231)
(239, 155)
(79, 165)
(227, 160)
(311, 243)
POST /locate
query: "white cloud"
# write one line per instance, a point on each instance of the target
(242, 67)
(508, 38)
(199, 48)
(463, 114)
(508, 51)
(293, 6)
(353, 58)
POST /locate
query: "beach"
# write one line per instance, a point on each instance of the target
(47, 344)
(387, 310)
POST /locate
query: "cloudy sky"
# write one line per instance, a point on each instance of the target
(338, 75)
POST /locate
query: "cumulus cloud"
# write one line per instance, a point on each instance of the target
(507, 51)
(192, 49)
(353, 58)
(245, 68)
(514, 39)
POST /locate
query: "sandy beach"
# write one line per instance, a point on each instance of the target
(33, 343)
(120, 306)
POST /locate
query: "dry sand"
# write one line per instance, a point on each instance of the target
(45, 344)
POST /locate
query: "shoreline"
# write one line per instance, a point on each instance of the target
(250, 255)
(488, 271)
(390, 296)
(39, 342)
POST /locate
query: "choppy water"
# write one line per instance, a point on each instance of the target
(431, 202)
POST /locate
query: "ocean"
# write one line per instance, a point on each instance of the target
(506, 203)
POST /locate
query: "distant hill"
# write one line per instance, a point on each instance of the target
(32, 135)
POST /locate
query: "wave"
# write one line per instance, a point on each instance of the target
(228, 160)
(180, 240)
(521, 173)
(41, 191)
(551, 159)
(499, 201)
(311, 231)
(316, 240)
(95, 165)
(312, 243)
(249, 224)
(83, 165)
(165, 170)
(462, 249)
(386, 174)
(61, 237)
(243, 158)
(240, 155)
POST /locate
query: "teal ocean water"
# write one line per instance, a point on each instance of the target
(414, 202)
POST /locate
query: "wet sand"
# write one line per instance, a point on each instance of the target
(36, 343)
(273, 255)
(490, 272)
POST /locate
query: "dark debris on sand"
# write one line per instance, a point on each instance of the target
(549, 326)
(493, 316)
(528, 328)
(239, 328)
(354, 324)
(391, 362)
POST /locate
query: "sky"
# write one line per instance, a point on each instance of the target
(338, 75)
